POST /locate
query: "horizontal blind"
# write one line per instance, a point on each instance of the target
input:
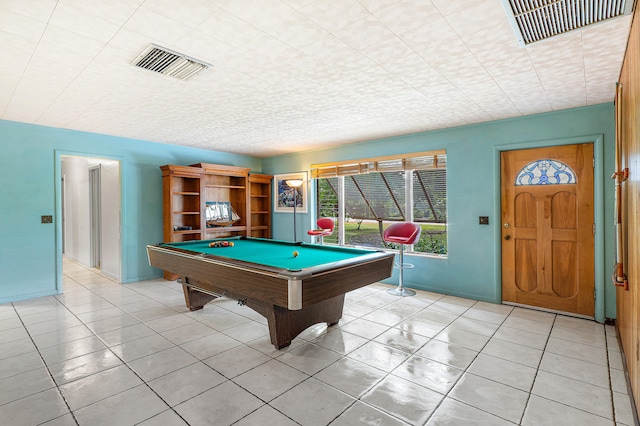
(430, 196)
(375, 196)
(420, 161)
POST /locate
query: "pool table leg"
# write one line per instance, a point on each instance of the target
(285, 325)
(195, 299)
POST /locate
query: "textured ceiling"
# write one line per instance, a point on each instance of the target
(290, 75)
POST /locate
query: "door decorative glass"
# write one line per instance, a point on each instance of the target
(545, 172)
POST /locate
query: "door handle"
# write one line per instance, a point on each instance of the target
(507, 237)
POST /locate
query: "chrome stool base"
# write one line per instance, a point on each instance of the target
(402, 292)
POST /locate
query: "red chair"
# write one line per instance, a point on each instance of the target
(325, 226)
(403, 233)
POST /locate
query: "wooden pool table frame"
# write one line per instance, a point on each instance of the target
(291, 301)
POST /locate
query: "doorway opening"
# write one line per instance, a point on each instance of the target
(95, 203)
(90, 213)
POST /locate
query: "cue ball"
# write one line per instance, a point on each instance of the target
(295, 254)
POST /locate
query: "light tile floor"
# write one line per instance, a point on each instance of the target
(109, 354)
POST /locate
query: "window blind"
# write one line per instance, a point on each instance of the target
(418, 161)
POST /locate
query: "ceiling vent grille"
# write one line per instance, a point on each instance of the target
(536, 20)
(167, 62)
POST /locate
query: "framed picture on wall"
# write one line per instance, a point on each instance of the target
(289, 189)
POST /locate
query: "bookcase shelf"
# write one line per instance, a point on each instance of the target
(188, 189)
(260, 204)
(226, 186)
(181, 201)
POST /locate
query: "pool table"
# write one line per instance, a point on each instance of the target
(291, 292)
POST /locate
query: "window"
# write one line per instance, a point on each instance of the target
(364, 197)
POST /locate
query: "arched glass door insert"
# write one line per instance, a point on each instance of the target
(545, 172)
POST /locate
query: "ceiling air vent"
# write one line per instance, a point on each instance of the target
(535, 20)
(168, 62)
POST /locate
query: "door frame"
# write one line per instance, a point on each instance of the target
(57, 178)
(598, 211)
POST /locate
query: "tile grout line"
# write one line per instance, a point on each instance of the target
(535, 376)
(175, 345)
(466, 370)
(556, 315)
(57, 387)
(634, 411)
(114, 354)
(313, 341)
(613, 403)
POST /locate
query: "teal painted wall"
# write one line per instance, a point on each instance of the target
(472, 268)
(29, 172)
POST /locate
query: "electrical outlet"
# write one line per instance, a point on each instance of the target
(46, 219)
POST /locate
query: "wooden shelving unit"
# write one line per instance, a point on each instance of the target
(260, 205)
(188, 189)
(181, 204)
(222, 183)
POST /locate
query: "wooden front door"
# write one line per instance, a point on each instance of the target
(548, 228)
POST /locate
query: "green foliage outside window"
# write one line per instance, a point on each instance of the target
(380, 197)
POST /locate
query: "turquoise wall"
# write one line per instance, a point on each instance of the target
(29, 172)
(472, 267)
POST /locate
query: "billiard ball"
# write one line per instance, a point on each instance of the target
(295, 254)
(217, 244)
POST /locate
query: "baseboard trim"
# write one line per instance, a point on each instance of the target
(634, 408)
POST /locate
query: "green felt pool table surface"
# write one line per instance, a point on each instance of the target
(273, 253)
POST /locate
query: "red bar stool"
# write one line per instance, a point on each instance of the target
(403, 233)
(325, 226)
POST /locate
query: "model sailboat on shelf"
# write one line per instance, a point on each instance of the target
(220, 213)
